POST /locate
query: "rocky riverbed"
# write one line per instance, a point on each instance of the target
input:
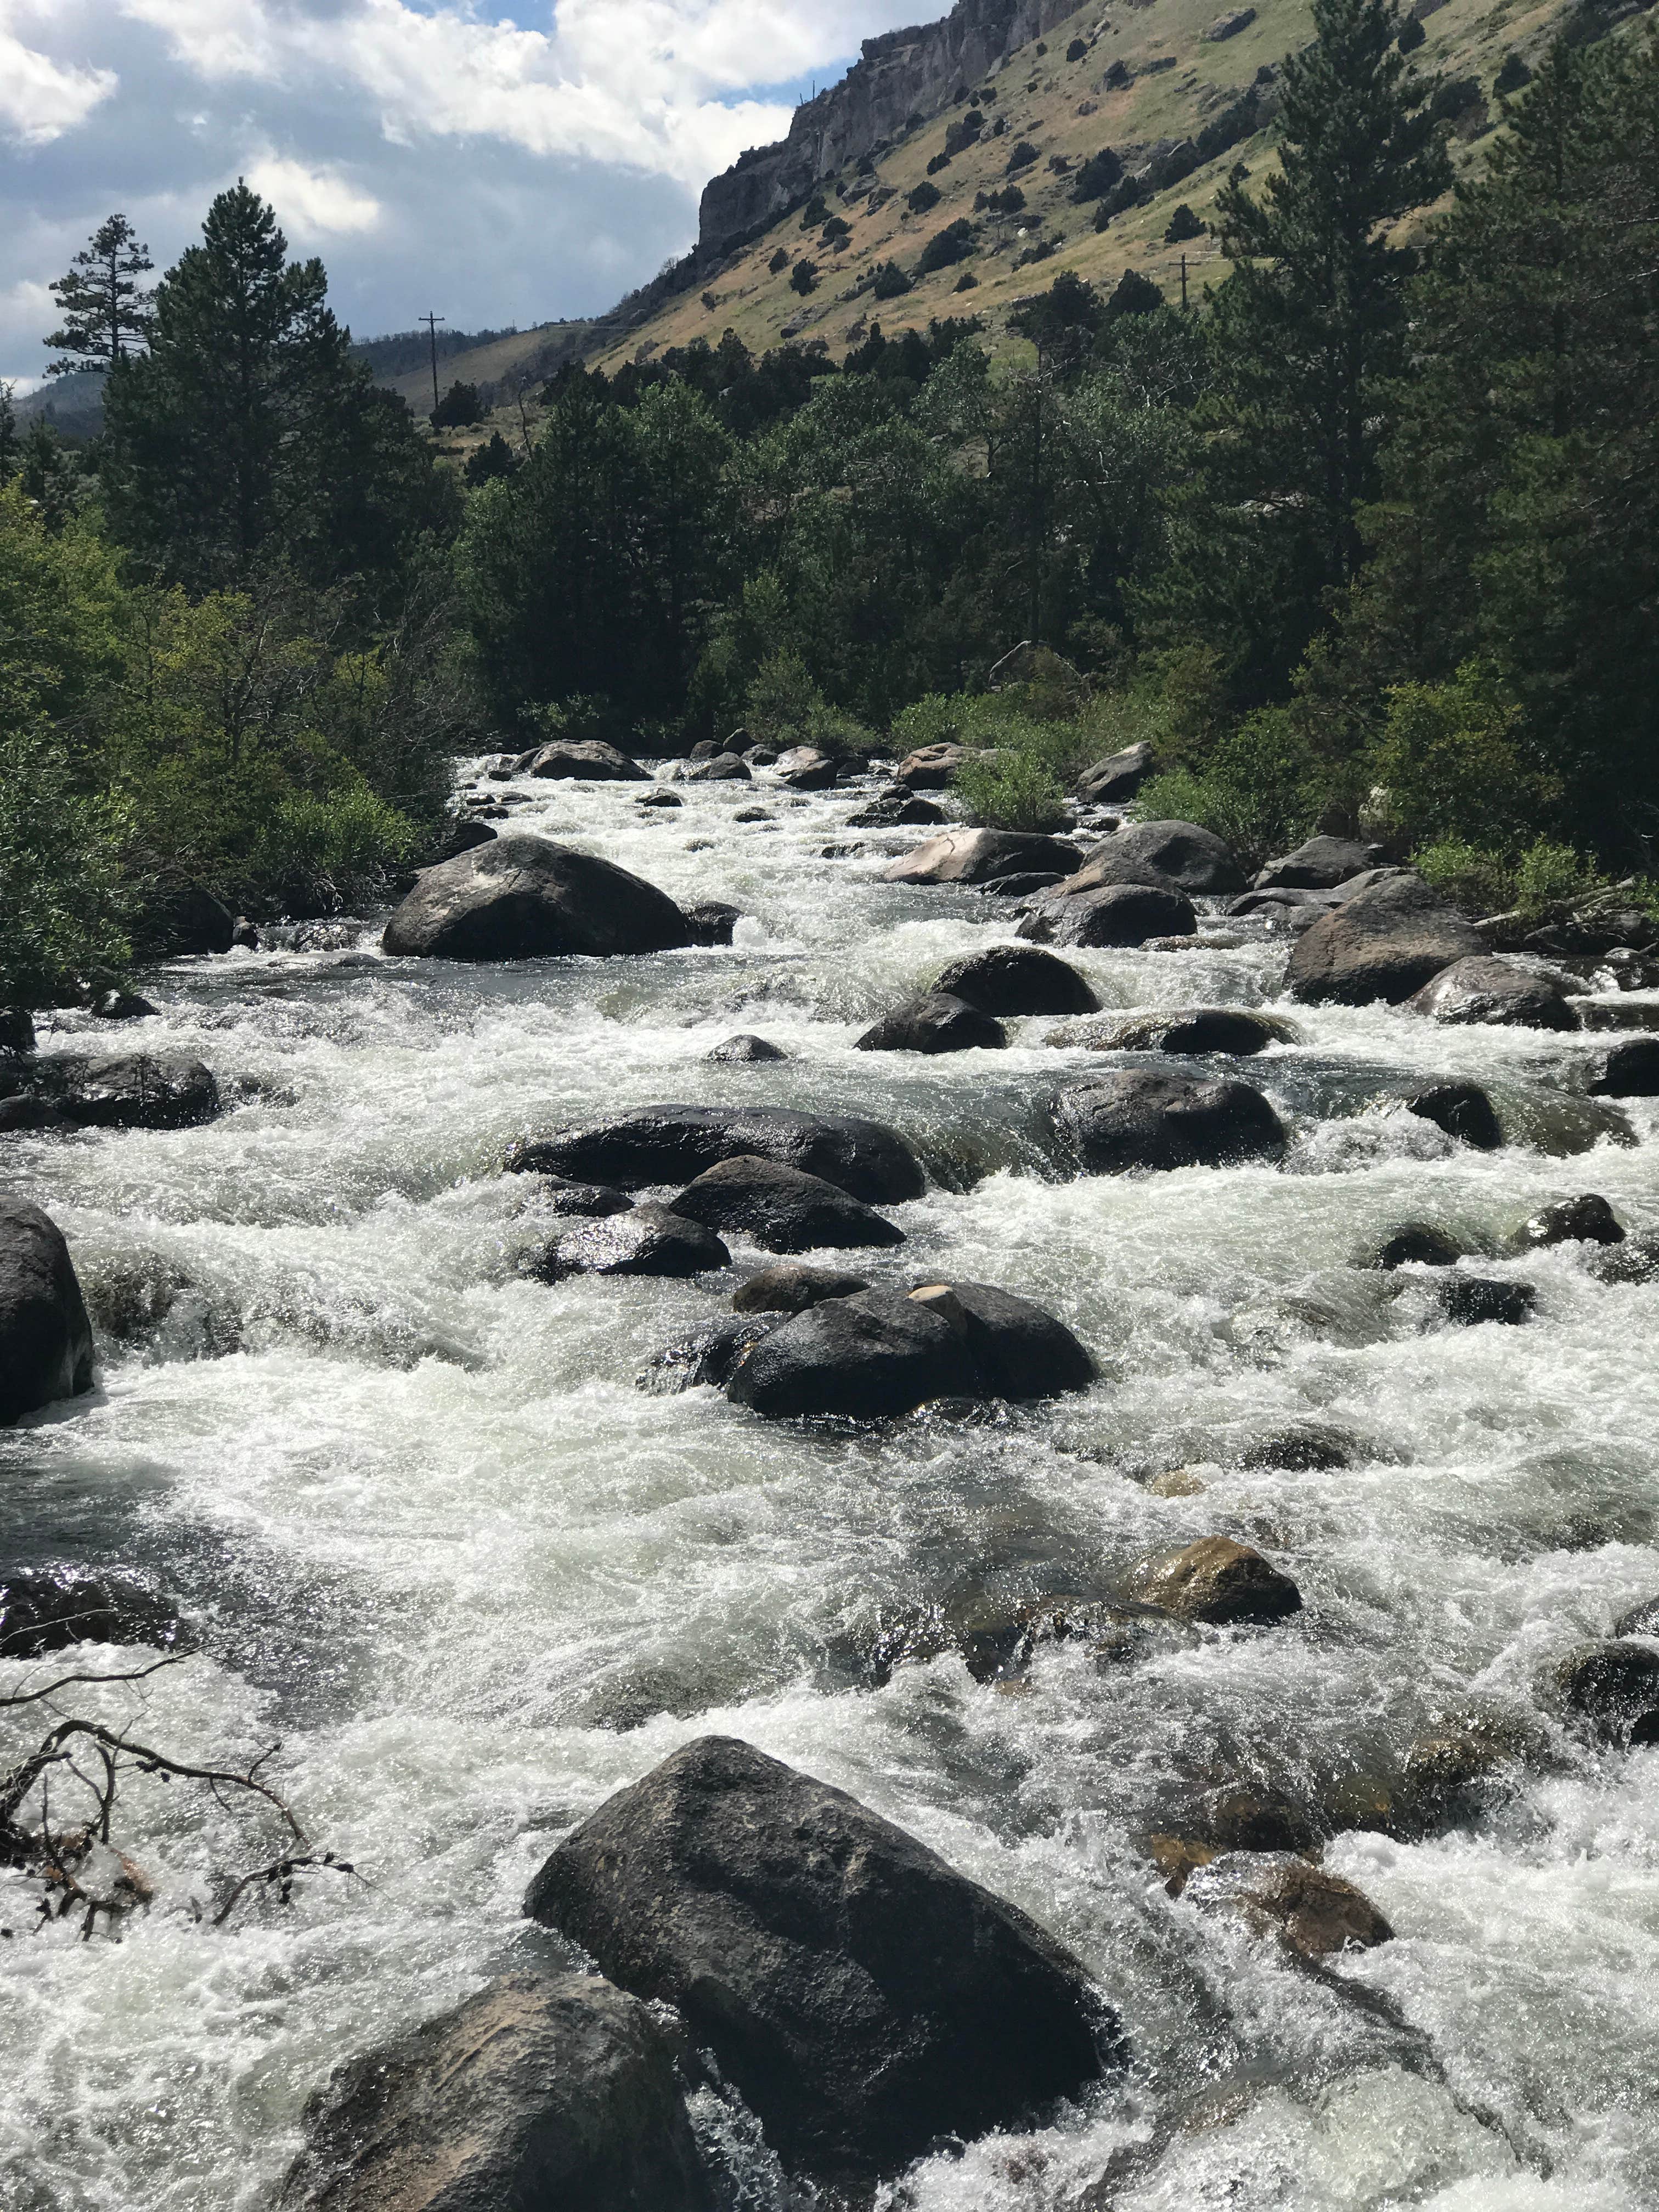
(1246, 1655)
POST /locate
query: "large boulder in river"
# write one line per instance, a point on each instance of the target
(805, 767)
(646, 1240)
(542, 2090)
(1217, 1581)
(671, 1143)
(934, 1023)
(975, 856)
(1110, 914)
(863, 1997)
(1319, 866)
(525, 897)
(1017, 978)
(1111, 781)
(1184, 1030)
(131, 1090)
(585, 760)
(49, 1608)
(884, 1353)
(1146, 1118)
(1386, 942)
(46, 1338)
(932, 767)
(780, 1209)
(1629, 1069)
(1486, 989)
(1177, 853)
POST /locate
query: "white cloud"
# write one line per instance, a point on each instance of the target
(313, 204)
(41, 98)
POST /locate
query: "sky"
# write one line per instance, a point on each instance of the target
(497, 169)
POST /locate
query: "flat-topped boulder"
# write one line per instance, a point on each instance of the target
(542, 2090)
(585, 760)
(45, 1336)
(129, 1090)
(1486, 989)
(780, 1209)
(672, 1144)
(975, 856)
(523, 898)
(882, 1352)
(1386, 942)
(1105, 914)
(1111, 781)
(937, 1022)
(1129, 1118)
(896, 810)
(1319, 866)
(1017, 978)
(864, 1998)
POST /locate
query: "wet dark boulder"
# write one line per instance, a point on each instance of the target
(461, 837)
(709, 1355)
(1192, 1030)
(790, 1288)
(1133, 1118)
(712, 922)
(897, 810)
(1462, 1109)
(805, 767)
(1017, 978)
(1488, 989)
(542, 2090)
(745, 1051)
(582, 1201)
(1629, 1069)
(646, 1240)
(1468, 1301)
(123, 1006)
(935, 1023)
(780, 1209)
(864, 1998)
(1641, 1620)
(884, 1353)
(48, 1608)
(1278, 1894)
(186, 919)
(1215, 1581)
(1178, 853)
(1319, 866)
(1635, 1260)
(1026, 885)
(1112, 781)
(659, 798)
(131, 1090)
(974, 856)
(16, 1032)
(585, 760)
(1614, 1687)
(525, 897)
(1588, 1220)
(725, 768)
(672, 1144)
(1109, 915)
(1413, 1244)
(1385, 942)
(46, 1338)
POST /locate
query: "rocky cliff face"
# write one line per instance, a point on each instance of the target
(901, 74)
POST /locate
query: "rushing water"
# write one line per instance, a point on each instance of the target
(438, 1542)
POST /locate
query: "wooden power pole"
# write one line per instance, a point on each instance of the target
(432, 323)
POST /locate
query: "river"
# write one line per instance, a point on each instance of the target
(439, 1543)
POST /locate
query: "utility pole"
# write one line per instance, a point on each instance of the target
(1183, 289)
(432, 323)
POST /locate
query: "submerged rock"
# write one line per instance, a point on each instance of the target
(745, 1051)
(1488, 989)
(543, 2090)
(1414, 1243)
(790, 1288)
(131, 1090)
(1385, 942)
(781, 1209)
(524, 898)
(1192, 1029)
(646, 1240)
(933, 1024)
(1463, 1111)
(48, 1608)
(884, 1353)
(1588, 1220)
(1217, 1581)
(589, 1201)
(1278, 1894)
(1616, 1688)
(1109, 915)
(1141, 1118)
(863, 1997)
(1017, 978)
(1469, 1300)
(712, 922)
(46, 1338)
(671, 1143)
(1635, 1260)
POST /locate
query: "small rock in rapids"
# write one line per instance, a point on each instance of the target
(863, 1997)
(1017, 978)
(1635, 1260)
(671, 1143)
(1414, 1243)
(712, 922)
(1215, 1581)
(1483, 988)
(1123, 915)
(46, 1338)
(745, 1051)
(647, 1240)
(1641, 1620)
(780, 1208)
(1141, 1118)
(1616, 1688)
(1587, 1220)
(934, 1023)
(1462, 1109)
(790, 1287)
(541, 2090)
(1278, 1894)
(1468, 1300)
(1627, 1070)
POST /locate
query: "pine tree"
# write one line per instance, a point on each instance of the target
(1309, 330)
(10, 444)
(106, 311)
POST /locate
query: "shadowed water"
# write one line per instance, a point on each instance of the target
(438, 1542)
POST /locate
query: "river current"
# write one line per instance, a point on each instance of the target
(438, 1541)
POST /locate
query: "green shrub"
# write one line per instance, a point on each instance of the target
(333, 850)
(61, 891)
(1011, 790)
(1487, 880)
(804, 277)
(1258, 788)
(952, 244)
(784, 706)
(888, 281)
(1455, 764)
(922, 197)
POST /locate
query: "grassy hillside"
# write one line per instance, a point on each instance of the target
(1178, 82)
